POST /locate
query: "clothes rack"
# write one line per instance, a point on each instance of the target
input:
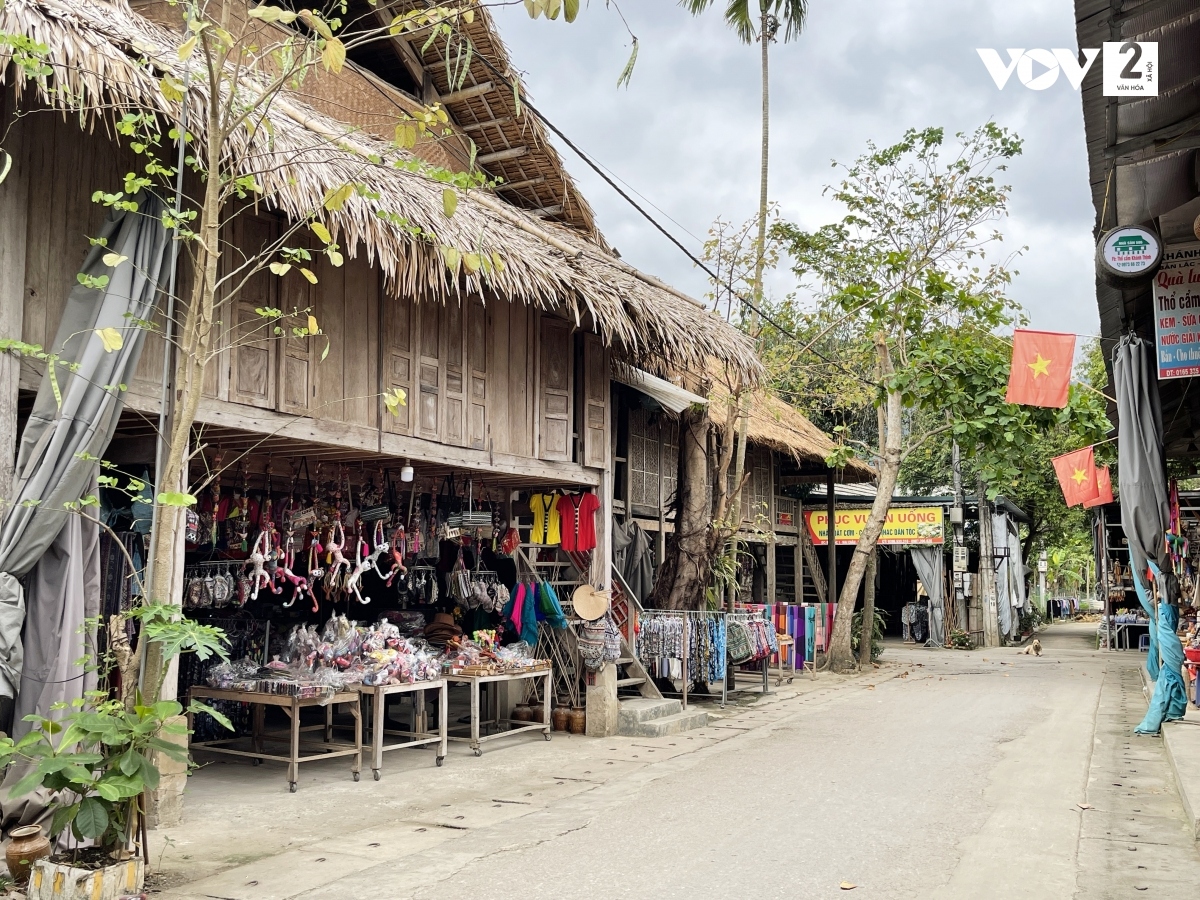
(694, 638)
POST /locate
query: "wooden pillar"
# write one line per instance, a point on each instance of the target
(772, 563)
(660, 541)
(14, 211)
(798, 553)
(831, 511)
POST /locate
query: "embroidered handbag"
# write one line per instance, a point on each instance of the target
(738, 645)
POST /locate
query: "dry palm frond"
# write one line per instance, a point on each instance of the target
(107, 59)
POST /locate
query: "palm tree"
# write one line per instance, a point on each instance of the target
(790, 15)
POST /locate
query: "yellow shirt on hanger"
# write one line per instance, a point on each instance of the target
(546, 520)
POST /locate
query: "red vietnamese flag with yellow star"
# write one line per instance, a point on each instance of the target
(1077, 476)
(1104, 486)
(1041, 368)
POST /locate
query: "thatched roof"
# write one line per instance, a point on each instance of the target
(494, 120)
(775, 424)
(106, 55)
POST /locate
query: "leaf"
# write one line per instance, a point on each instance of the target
(307, 273)
(110, 338)
(325, 352)
(532, 8)
(63, 816)
(472, 262)
(334, 257)
(113, 259)
(186, 48)
(336, 198)
(449, 202)
(92, 819)
(273, 14)
(171, 88)
(1085, 806)
(847, 886)
(451, 256)
(394, 399)
(176, 498)
(316, 23)
(321, 231)
(313, 328)
(333, 55)
(280, 268)
(627, 73)
(196, 707)
(570, 9)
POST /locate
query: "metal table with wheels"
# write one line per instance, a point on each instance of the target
(420, 736)
(478, 724)
(327, 749)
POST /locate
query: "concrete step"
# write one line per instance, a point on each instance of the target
(624, 660)
(629, 682)
(664, 725)
(639, 710)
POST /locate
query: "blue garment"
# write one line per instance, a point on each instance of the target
(1170, 696)
(549, 608)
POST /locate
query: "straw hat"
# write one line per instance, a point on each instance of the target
(589, 603)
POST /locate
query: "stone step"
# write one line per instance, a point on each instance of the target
(638, 710)
(629, 682)
(624, 660)
(664, 725)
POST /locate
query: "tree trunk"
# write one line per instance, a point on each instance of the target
(841, 656)
(686, 571)
(987, 572)
(867, 636)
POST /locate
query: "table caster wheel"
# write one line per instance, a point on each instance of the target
(546, 735)
(440, 760)
(256, 762)
(375, 773)
(292, 787)
(356, 777)
(479, 751)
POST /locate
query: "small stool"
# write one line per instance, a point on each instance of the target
(1144, 643)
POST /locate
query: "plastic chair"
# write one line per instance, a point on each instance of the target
(1144, 643)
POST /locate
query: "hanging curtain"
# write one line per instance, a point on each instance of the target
(1003, 583)
(930, 566)
(49, 469)
(1145, 517)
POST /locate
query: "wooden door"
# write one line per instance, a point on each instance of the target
(595, 402)
(554, 382)
(455, 405)
(478, 346)
(252, 338)
(429, 371)
(398, 362)
(297, 361)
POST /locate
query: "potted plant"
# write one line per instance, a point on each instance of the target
(96, 757)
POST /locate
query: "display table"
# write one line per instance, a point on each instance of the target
(479, 724)
(328, 749)
(787, 645)
(1126, 635)
(420, 736)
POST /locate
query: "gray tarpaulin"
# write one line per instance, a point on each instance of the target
(1145, 517)
(49, 469)
(1000, 562)
(931, 569)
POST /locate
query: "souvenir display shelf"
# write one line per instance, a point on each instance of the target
(478, 725)
(327, 749)
(421, 736)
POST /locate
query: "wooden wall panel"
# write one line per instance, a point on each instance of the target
(555, 369)
(429, 371)
(361, 360)
(594, 408)
(329, 304)
(299, 357)
(499, 315)
(253, 344)
(455, 378)
(399, 314)
(479, 353)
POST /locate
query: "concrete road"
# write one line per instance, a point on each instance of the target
(988, 774)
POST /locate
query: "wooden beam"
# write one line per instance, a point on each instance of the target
(1153, 138)
(518, 185)
(479, 126)
(486, 159)
(474, 90)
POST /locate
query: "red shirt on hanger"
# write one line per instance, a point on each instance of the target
(578, 515)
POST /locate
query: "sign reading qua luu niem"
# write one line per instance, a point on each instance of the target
(1177, 312)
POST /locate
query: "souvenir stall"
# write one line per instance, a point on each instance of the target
(397, 589)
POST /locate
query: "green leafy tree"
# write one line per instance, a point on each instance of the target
(907, 269)
(762, 25)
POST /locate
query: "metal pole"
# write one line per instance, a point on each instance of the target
(686, 655)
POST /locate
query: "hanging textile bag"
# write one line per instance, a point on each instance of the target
(590, 639)
(739, 646)
(460, 581)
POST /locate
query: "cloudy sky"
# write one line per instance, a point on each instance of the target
(685, 133)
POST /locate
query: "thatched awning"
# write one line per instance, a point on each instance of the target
(105, 55)
(775, 424)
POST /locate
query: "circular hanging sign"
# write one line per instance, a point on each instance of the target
(1128, 254)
